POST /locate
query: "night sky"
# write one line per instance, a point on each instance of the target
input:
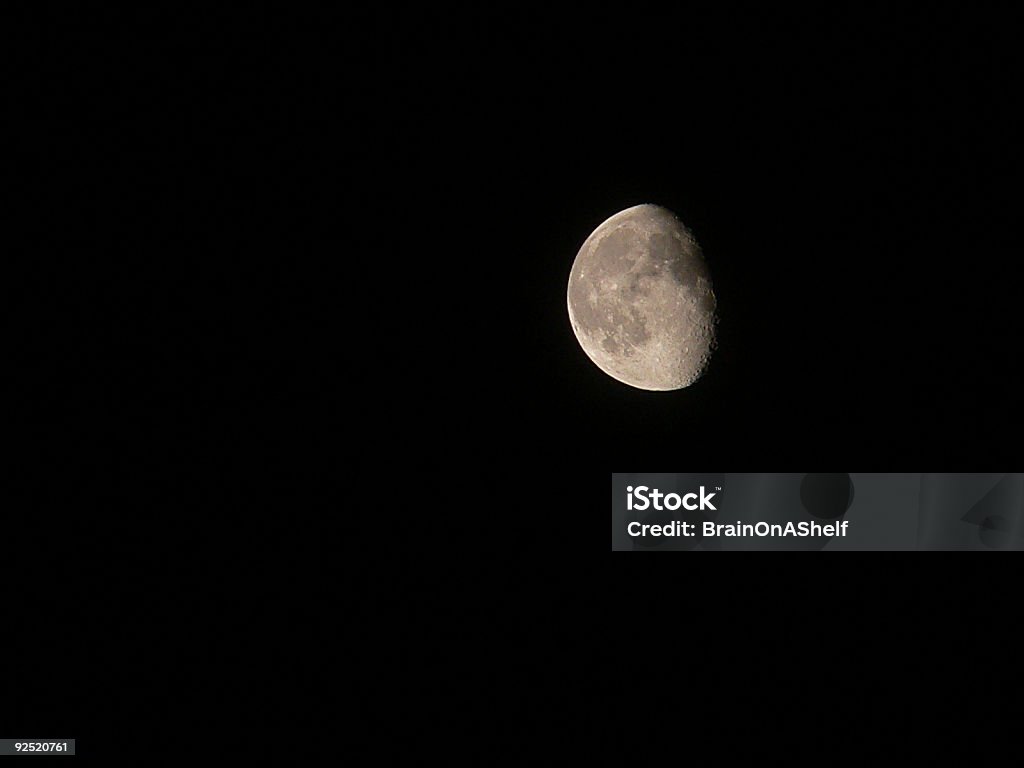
(270, 255)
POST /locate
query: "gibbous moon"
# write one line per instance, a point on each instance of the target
(641, 302)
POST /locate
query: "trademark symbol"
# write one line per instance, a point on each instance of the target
(718, 487)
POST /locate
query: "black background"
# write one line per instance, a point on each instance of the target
(274, 255)
(269, 212)
(851, 178)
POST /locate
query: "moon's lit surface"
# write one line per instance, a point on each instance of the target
(641, 301)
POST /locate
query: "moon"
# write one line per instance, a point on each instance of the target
(641, 301)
